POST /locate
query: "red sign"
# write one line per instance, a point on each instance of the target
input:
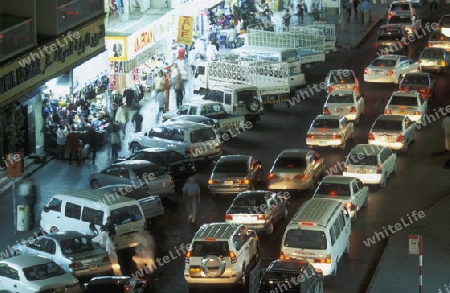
(13, 163)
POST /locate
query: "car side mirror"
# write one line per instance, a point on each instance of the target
(46, 209)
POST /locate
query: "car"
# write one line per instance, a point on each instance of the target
(279, 272)
(417, 3)
(411, 22)
(195, 118)
(390, 68)
(391, 39)
(179, 166)
(436, 59)
(444, 24)
(341, 79)
(258, 210)
(71, 250)
(423, 82)
(116, 284)
(221, 254)
(372, 164)
(198, 141)
(400, 7)
(393, 131)
(346, 103)
(138, 173)
(231, 174)
(439, 40)
(296, 169)
(33, 273)
(348, 190)
(329, 130)
(410, 104)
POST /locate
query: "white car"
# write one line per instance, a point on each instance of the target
(32, 273)
(390, 68)
(329, 130)
(372, 164)
(341, 79)
(346, 103)
(410, 104)
(348, 190)
(411, 22)
(393, 131)
(400, 7)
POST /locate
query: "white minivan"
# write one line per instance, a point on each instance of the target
(75, 210)
(320, 233)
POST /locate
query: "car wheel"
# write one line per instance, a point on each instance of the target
(253, 105)
(94, 184)
(343, 145)
(285, 214)
(383, 180)
(244, 277)
(135, 147)
(413, 139)
(319, 287)
(269, 228)
(405, 149)
(347, 249)
(334, 273)
(399, 80)
(358, 119)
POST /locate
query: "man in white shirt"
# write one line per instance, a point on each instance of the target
(113, 258)
(61, 140)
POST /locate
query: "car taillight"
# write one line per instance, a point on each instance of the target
(127, 288)
(387, 111)
(352, 110)
(271, 176)
(336, 136)
(389, 72)
(356, 88)
(416, 112)
(379, 170)
(217, 146)
(75, 265)
(187, 256)
(389, 15)
(329, 88)
(326, 111)
(404, 89)
(366, 71)
(232, 257)
(349, 206)
(344, 168)
(400, 138)
(310, 136)
(211, 181)
(105, 259)
(243, 181)
(302, 176)
(371, 136)
(144, 186)
(228, 217)
(171, 181)
(323, 260)
(425, 91)
(283, 257)
(261, 217)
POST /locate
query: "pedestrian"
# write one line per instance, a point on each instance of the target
(343, 19)
(179, 89)
(61, 140)
(286, 18)
(122, 118)
(231, 37)
(101, 238)
(191, 194)
(159, 93)
(211, 52)
(446, 129)
(348, 6)
(114, 140)
(93, 231)
(433, 5)
(181, 53)
(73, 141)
(300, 12)
(137, 120)
(113, 258)
(93, 141)
(355, 10)
(257, 176)
(366, 9)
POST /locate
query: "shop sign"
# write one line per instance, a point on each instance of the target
(145, 38)
(119, 67)
(142, 40)
(117, 48)
(185, 25)
(24, 74)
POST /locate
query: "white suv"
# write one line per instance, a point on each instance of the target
(221, 254)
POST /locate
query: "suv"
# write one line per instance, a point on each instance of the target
(221, 254)
(197, 141)
(279, 272)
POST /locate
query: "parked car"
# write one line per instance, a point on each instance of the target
(393, 131)
(400, 7)
(346, 103)
(410, 104)
(423, 82)
(231, 174)
(411, 22)
(372, 164)
(296, 169)
(329, 130)
(348, 190)
(221, 254)
(258, 210)
(195, 118)
(138, 173)
(33, 273)
(71, 250)
(436, 59)
(116, 284)
(177, 165)
(390, 68)
(391, 39)
(341, 79)
(439, 40)
(279, 272)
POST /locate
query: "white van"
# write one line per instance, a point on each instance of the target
(75, 210)
(320, 233)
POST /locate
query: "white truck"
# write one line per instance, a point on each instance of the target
(269, 80)
(329, 32)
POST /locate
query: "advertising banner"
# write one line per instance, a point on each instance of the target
(117, 48)
(185, 24)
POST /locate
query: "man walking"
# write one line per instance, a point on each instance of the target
(61, 138)
(287, 18)
(73, 141)
(137, 120)
(114, 140)
(191, 194)
(366, 9)
(446, 129)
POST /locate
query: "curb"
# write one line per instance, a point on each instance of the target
(366, 35)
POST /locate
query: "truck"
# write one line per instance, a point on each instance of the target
(329, 32)
(263, 82)
(214, 110)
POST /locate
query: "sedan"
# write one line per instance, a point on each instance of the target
(410, 104)
(197, 119)
(71, 250)
(329, 130)
(138, 173)
(393, 131)
(116, 284)
(32, 273)
(411, 22)
(348, 190)
(341, 79)
(296, 169)
(391, 39)
(400, 7)
(439, 40)
(390, 68)
(346, 103)
(436, 59)
(420, 81)
(231, 174)
(258, 210)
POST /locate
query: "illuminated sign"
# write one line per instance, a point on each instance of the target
(185, 24)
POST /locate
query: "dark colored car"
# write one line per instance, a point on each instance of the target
(114, 284)
(391, 39)
(420, 81)
(179, 166)
(280, 273)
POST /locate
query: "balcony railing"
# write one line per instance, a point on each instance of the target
(16, 35)
(72, 13)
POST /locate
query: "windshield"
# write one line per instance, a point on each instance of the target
(231, 167)
(43, 271)
(203, 248)
(76, 245)
(340, 98)
(383, 63)
(363, 159)
(126, 214)
(415, 80)
(400, 7)
(403, 101)
(400, 19)
(343, 77)
(326, 123)
(306, 239)
(334, 189)
(390, 32)
(439, 36)
(387, 125)
(202, 135)
(249, 200)
(286, 162)
(432, 53)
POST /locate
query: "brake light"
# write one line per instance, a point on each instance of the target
(188, 256)
(211, 182)
(416, 113)
(326, 111)
(310, 136)
(400, 138)
(371, 136)
(379, 170)
(349, 206)
(228, 217)
(366, 71)
(210, 239)
(389, 72)
(283, 257)
(387, 111)
(329, 88)
(243, 181)
(389, 15)
(75, 265)
(352, 110)
(356, 88)
(261, 217)
(217, 147)
(336, 137)
(271, 176)
(302, 176)
(323, 260)
(233, 257)
(126, 289)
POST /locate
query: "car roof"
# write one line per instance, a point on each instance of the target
(62, 235)
(220, 231)
(390, 57)
(367, 149)
(228, 158)
(288, 265)
(182, 125)
(193, 118)
(339, 117)
(153, 150)
(391, 117)
(263, 193)
(410, 94)
(25, 261)
(392, 25)
(337, 71)
(341, 92)
(294, 152)
(338, 179)
(93, 196)
(427, 74)
(133, 163)
(109, 279)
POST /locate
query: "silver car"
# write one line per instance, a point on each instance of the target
(346, 103)
(71, 250)
(434, 59)
(138, 173)
(341, 79)
(393, 131)
(329, 130)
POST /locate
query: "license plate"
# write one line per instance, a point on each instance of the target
(339, 110)
(182, 168)
(402, 112)
(93, 267)
(228, 183)
(387, 137)
(361, 171)
(378, 72)
(322, 142)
